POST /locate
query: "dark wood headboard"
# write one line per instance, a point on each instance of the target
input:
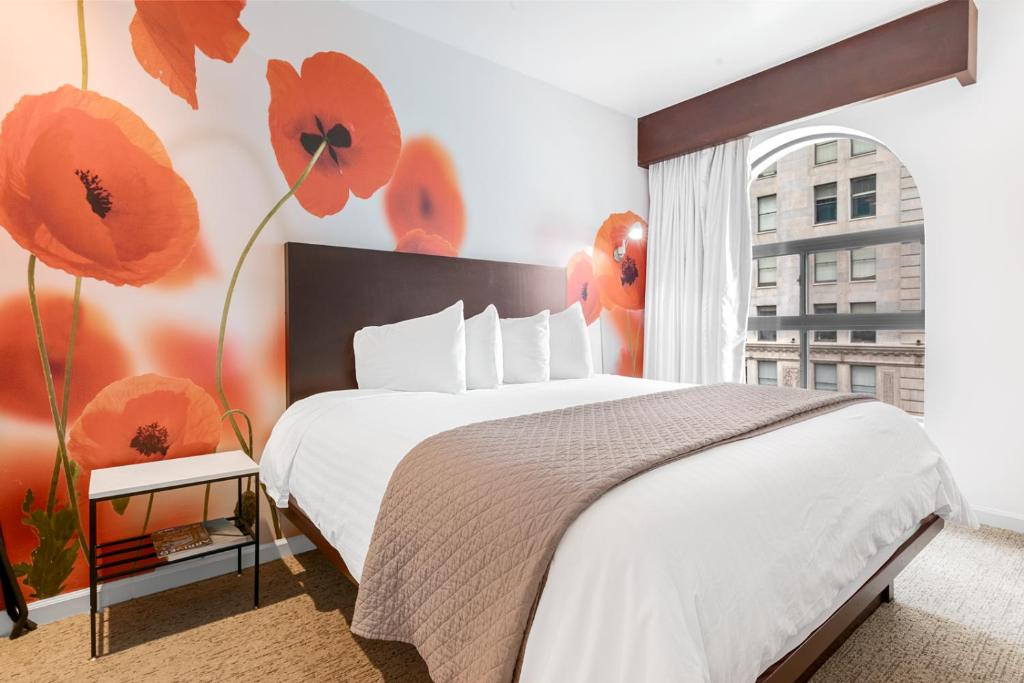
(331, 292)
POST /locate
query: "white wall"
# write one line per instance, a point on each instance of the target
(964, 147)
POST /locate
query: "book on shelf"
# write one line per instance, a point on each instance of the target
(178, 538)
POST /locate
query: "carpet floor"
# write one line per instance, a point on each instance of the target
(958, 616)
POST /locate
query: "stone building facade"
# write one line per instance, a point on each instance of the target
(829, 188)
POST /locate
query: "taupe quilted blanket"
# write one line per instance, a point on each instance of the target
(471, 517)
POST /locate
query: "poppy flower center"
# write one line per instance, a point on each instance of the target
(337, 137)
(583, 291)
(98, 197)
(426, 206)
(150, 439)
(629, 272)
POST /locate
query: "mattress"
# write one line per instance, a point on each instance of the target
(709, 568)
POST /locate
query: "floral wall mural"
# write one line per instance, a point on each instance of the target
(145, 192)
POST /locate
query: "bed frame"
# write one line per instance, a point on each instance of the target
(331, 292)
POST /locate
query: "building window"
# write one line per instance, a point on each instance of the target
(861, 147)
(766, 335)
(825, 203)
(826, 152)
(767, 372)
(862, 264)
(767, 269)
(766, 213)
(862, 336)
(862, 196)
(825, 335)
(862, 379)
(825, 269)
(769, 172)
(825, 377)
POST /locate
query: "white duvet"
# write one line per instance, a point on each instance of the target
(706, 569)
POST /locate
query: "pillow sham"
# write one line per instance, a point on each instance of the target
(420, 354)
(570, 344)
(483, 350)
(526, 350)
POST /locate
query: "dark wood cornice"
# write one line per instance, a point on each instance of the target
(930, 45)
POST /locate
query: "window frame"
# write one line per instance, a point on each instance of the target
(854, 154)
(835, 264)
(834, 200)
(834, 333)
(855, 196)
(873, 333)
(763, 335)
(874, 385)
(805, 322)
(769, 171)
(766, 363)
(774, 213)
(818, 145)
(773, 283)
(874, 259)
(835, 376)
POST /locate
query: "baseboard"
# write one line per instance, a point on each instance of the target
(1000, 519)
(77, 602)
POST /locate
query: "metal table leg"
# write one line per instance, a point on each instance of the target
(92, 578)
(256, 548)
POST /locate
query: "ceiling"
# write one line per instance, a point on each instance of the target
(638, 57)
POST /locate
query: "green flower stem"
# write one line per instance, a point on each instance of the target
(51, 499)
(248, 448)
(82, 45)
(54, 411)
(149, 511)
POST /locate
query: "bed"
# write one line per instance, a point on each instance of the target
(752, 560)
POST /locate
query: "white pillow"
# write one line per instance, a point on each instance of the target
(421, 354)
(570, 344)
(526, 349)
(483, 350)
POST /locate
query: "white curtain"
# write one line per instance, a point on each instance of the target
(698, 266)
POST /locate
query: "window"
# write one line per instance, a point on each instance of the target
(824, 335)
(825, 203)
(826, 152)
(766, 271)
(767, 372)
(766, 335)
(862, 336)
(862, 379)
(825, 269)
(769, 172)
(862, 196)
(862, 264)
(861, 147)
(766, 213)
(825, 376)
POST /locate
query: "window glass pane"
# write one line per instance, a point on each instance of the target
(863, 336)
(766, 335)
(826, 376)
(769, 172)
(862, 264)
(766, 213)
(862, 379)
(767, 269)
(858, 147)
(825, 268)
(824, 152)
(862, 196)
(767, 372)
(825, 203)
(825, 335)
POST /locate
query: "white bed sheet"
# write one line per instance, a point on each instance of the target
(706, 569)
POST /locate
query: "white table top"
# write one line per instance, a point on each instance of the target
(160, 474)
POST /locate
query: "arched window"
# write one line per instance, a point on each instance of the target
(837, 298)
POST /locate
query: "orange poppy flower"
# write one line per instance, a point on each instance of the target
(338, 100)
(424, 195)
(419, 242)
(630, 326)
(166, 33)
(99, 357)
(197, 265)
(145, 418)
(621, 280)
(183, 352)
(88, 188)
(582, 286)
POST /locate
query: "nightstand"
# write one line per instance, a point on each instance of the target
(128, 556)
